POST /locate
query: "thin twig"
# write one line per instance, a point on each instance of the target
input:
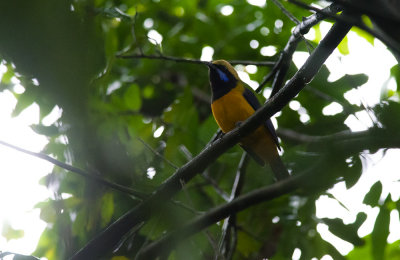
(195, 61)
(281, 67)
(157, 153)
(91, 176)
(205, 174)
(293, 19)
(228, 234)
(217, 189)
(160, 57)
(286, 12)
(354, 22)
(249, 62)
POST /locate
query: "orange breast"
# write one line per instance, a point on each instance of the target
(231, 109)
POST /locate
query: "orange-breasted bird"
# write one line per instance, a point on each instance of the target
(233, 102)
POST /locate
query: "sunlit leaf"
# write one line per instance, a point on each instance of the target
(45, 130)
(25, 100)
(8, 232)
(343, 46)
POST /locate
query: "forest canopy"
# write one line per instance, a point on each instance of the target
(147, 172)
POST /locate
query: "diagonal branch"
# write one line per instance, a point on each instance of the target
(106, 240)
(346, 142)
(217, 214)
(92, 176)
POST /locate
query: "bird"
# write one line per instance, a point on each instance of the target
(232, 102)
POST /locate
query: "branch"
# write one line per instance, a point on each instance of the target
(157, 153)
(205, 174)
(281, 67)
(92, 176)
(286, 12)
(344, 142)
(304, 138)
(219, 213)
(214, 184)
(293, 19)
(106, 240)
(371, 139)
(228, 240)
(390, 42)
(195, 61)
(382, 9)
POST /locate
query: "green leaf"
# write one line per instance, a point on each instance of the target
(386, 112)
(132, 97)
(395, 72)
(247, 244)
(48, 213)
(380, 232)
(374, 194)
(318, 35)
(45, 130)
(148, 91)
(362, 33)
(343, 46)
(345, 232)
(8, 232)
(6, 78)
(24, 257)
(107, 208)
(25, 100)
(353, 171)
(361, 217)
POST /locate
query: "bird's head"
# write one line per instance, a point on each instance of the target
(223, 77)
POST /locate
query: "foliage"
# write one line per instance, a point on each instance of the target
(127, 119)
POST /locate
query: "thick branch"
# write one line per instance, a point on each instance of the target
(104, 242)
(221, 212)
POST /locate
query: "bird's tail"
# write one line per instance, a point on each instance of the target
(278, 168)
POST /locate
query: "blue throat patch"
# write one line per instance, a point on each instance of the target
(223, 76)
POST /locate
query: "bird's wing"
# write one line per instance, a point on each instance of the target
(255, 104)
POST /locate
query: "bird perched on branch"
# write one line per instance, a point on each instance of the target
(232, 103)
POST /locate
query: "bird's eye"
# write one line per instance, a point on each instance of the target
(222, 75)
